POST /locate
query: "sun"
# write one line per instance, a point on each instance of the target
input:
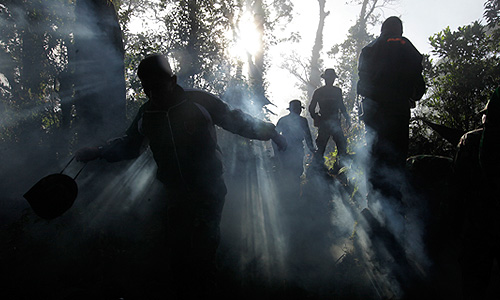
(246, 37)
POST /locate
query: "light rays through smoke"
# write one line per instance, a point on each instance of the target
(122, 193)
(327, 224)
(252, 207)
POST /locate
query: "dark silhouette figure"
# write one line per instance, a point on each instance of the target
(390, 81)
(476, 166)
(296, 130)
(330, 101)
(178, 126)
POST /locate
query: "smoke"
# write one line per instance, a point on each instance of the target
(315, 234)
(278, 232)
(275, 233)
(115, 202)
(392, 236)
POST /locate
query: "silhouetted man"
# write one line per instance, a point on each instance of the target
(296, 130)
(330, 101)
(390, 81)
(476, 164)
(178, 126)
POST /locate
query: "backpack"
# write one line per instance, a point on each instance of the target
(391, 68)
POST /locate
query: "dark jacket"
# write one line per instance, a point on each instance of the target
(295, 129)
(183, 139)
(478, 191)
(329, 99)
(390, 68)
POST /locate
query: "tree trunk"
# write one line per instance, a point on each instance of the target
(256, 62)
(315, 66)
(28, 92)
(99, 72)
(365, 13)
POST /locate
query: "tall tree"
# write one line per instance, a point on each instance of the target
(267, 15)
(256, 61)
(316, 61)
(99, 71)
(307, 71)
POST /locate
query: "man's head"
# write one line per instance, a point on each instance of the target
(329, 76)
(392, 26)
(295, 106)
(156, 75)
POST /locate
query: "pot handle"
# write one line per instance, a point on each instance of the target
(70, 163)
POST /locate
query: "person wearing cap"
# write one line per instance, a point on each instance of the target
(476, 165)
(390, 81)
(178, 125)
(330, 101)
(295, 129)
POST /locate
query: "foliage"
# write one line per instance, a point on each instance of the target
(33, 55)
(44, 85)
(196, 37)
(196, 34)
(492, 17)
(347, 62)
(191, 33)
(460, 81)
(492, 12)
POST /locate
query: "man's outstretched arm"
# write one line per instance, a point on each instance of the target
(129, 146)
(236, 121)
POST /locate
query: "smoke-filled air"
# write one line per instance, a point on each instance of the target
(251, 149)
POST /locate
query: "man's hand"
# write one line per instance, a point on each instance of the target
(316, 120)
(87, 154)
(280, 142)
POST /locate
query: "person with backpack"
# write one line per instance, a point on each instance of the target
(390, 81)
(178, 125)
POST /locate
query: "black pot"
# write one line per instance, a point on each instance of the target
(53, 195)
